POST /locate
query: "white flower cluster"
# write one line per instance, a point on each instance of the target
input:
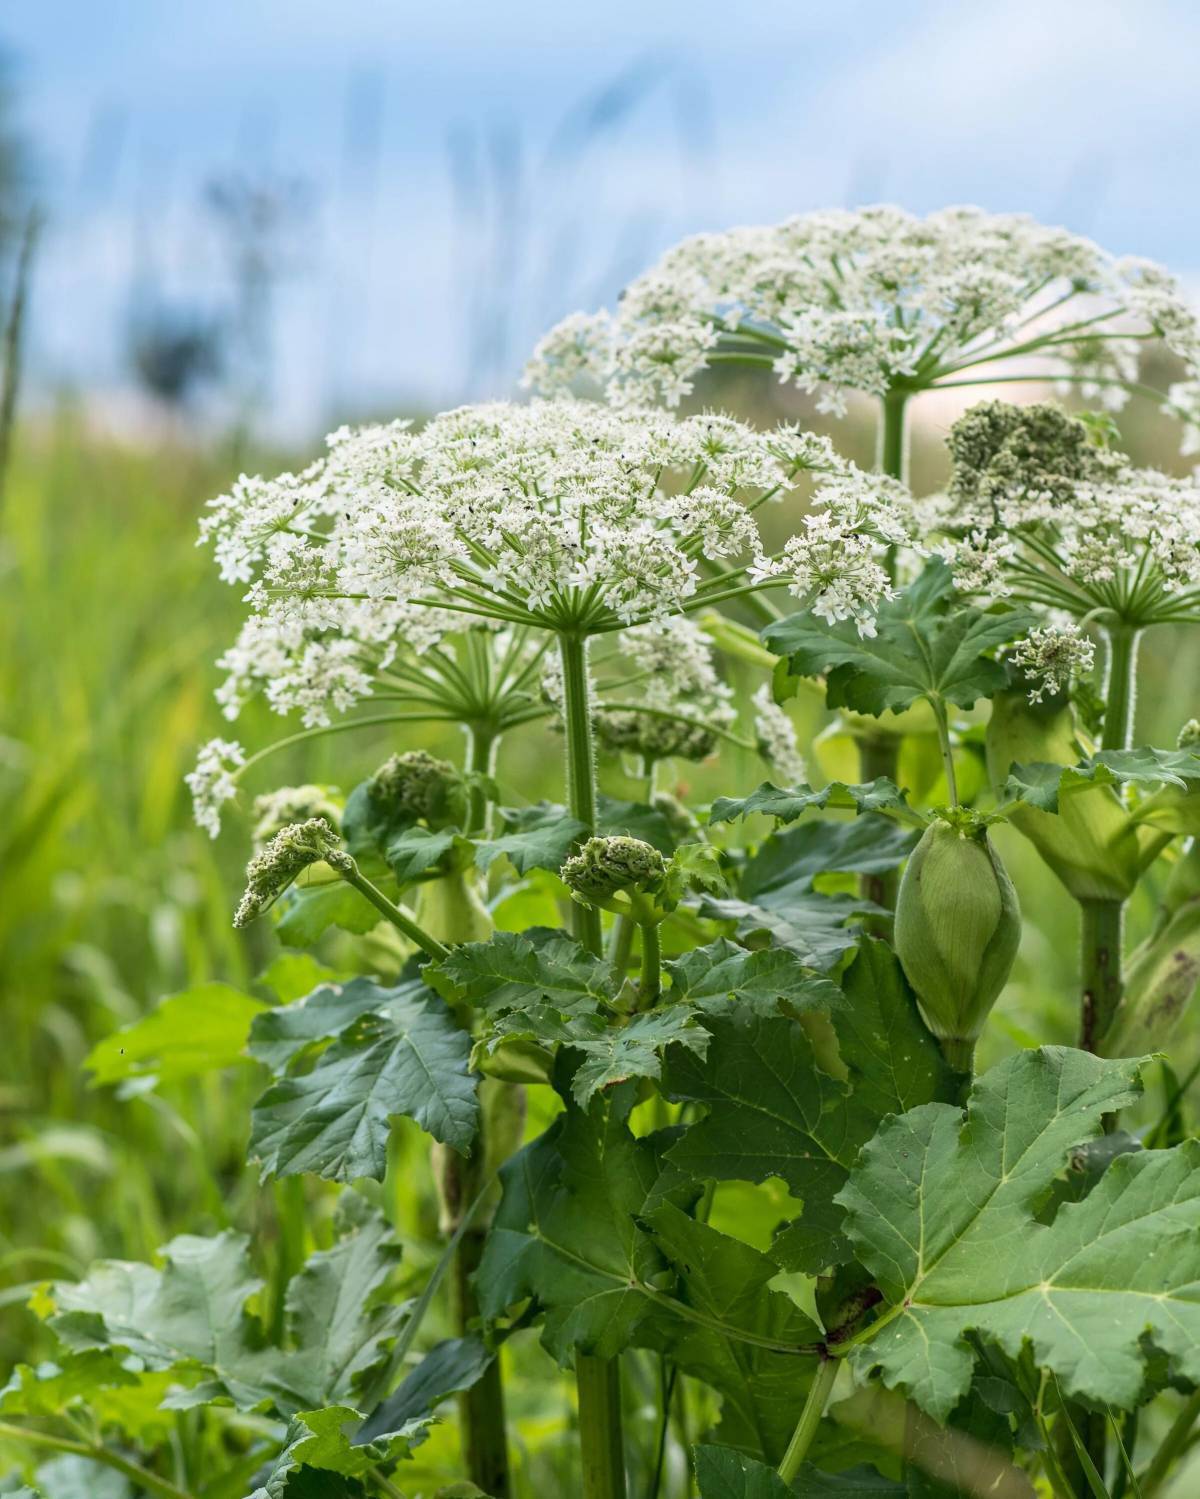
(876, 298)
(776, 736)
(1051, 656)
(214, 781)
(566, 514)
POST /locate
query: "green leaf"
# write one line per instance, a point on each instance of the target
(566, 1232)
(773, 1111)
(305, 912)
(538, 837)
(292, 975)
(450, 1366)
(1041, 784)
(724, 1285)
(928, 644)
(944, 1214)
(192, 1320)
(880, 795)
(201, 1030)
(634, 1050)
(722, 978)
(280, 1035)
(406, 1057)
(777, 895)
(324, 1440)
(415, 851)
(517, 970)
(543, 836)
(585, 1229)
(722, 1473)
(70, 1477)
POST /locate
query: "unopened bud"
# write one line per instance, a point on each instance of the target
(276, 810)
(292, 850)
(419, 786)
(958, 926)
(607, 869)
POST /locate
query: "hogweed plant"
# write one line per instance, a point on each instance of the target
(701, 1105)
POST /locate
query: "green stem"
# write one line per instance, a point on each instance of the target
(581, 768)
(651, 981)
(1101, 926)
(960, 1053)
(879, 753)
(810, 1418)
(943, 728)
(95, 1452)
(598, 1380)
(1120, 687)
(482, 746)
(399, 919)
(603, 1464)
(1172, 1447)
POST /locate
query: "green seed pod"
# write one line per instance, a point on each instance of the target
(958, 926)
(1091, 843)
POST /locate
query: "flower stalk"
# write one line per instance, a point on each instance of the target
(597, 1380)
(810, 1418)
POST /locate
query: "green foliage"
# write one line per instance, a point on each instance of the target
(880, 795)
(927, 645)
(1041, 785)
(396, 1051)
(942, 1213)
(201, 1030)
(778, 896)
(774, 1110)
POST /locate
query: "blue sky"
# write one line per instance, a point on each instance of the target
(472, 171)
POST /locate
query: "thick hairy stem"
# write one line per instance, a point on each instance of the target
(878, 753)
(598, 1381)
(651, 976)
(1120, 687)
(454, 913)
(810, 1418)
(1101, 927)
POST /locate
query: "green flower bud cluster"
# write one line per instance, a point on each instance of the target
(275, 810)
(958, 927)
(1189, 735)
(616, 874)
(419, 786)
(655, 737)
(997, 448)
(292, 850)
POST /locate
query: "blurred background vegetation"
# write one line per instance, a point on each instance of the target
(110, 898)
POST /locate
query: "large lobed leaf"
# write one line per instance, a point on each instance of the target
(923, 648)
(398, 1051)
(201, 1030)
(1041, 784)
(944, 1213)
(778, 895)
(597, 1235)
(880, 795)
(192, 1319)
(773, 1109)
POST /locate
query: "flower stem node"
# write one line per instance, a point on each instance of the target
(618, 874)
(289, 853)
(958, 925)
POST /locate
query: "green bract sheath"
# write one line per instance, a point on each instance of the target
(1091, 843)
(958, 927)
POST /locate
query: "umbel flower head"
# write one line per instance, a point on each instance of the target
(564, 515)
(274, 810)
(292, 850)
(1037, 512)
(878, 300)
